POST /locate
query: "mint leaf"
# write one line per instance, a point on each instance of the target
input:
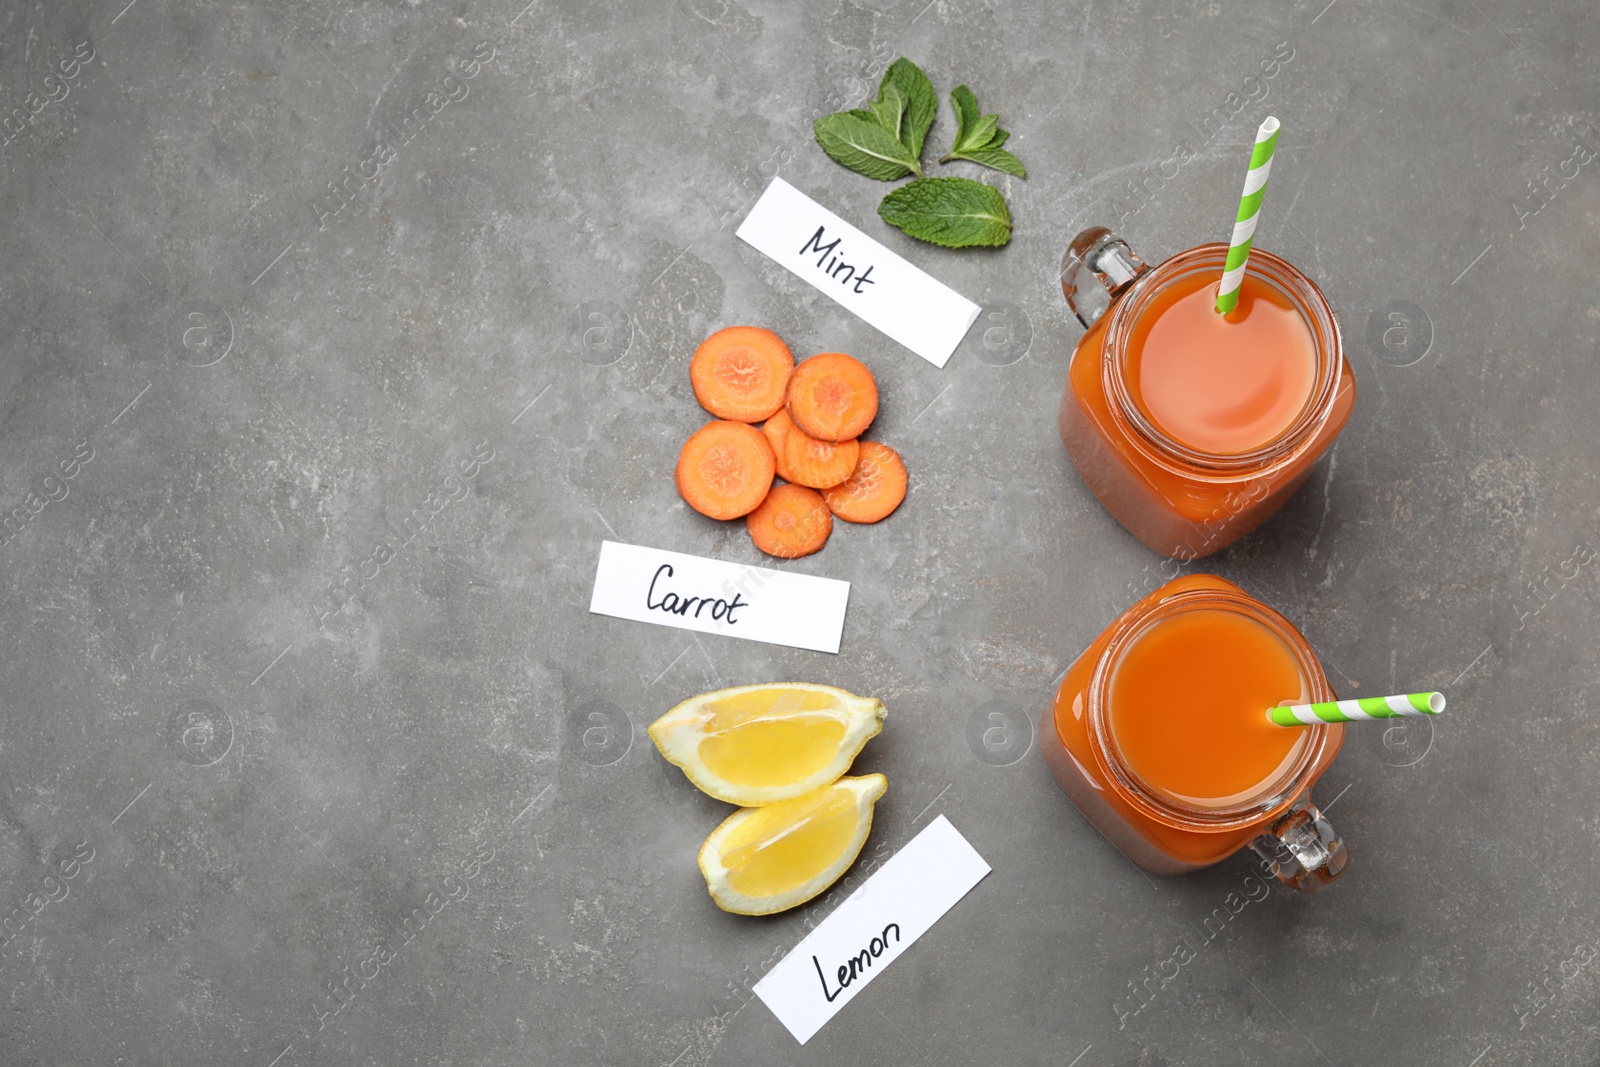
(979, 137)
(966, 106)
(889, 109)
(997, 158)
(921, 102)
(951, 212)
(972, 129)
(865, 147)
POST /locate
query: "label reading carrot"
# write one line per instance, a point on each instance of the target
(731, 599)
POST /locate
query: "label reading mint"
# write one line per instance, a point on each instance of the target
(913, 308)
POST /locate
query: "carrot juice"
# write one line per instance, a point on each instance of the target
(1159, 735)
(1188, 700)
(1224, 384)
(1192, 427)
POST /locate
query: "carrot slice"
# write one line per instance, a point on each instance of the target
(741, 373)
(875, 489)
(777, 430)
(833, 397)
(725, 469)
(818, 464)
(793, 521)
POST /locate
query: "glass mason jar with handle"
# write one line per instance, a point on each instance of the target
(1159, 735)
(1192, 453)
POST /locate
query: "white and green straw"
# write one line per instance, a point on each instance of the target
(1357, 710)
(1244, 227)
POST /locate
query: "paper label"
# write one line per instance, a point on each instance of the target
(871, 929)
(922, 313)
(714, 597)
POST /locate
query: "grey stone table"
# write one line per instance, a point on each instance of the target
(244, 345)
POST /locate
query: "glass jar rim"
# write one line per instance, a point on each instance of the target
(1181, 459)
(1166, 809)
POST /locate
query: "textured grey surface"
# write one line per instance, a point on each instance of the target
(268, 788)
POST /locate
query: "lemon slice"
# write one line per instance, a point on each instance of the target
(766, 860)
(759, 744)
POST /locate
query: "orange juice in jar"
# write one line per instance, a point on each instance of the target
(1190, 426)
(1159, 735)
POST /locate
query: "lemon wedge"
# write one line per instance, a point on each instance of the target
(760, 744)
(768, 859)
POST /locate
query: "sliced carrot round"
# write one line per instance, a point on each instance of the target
(793, 521)
(741, 373)
(833, 397)
(725, 469)
(818, 464)
(777, 431)
(875, 489)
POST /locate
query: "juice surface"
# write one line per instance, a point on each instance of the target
(1188, 704)
(1221, 384)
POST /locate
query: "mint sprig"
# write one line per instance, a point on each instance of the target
(884, 141)
(904, 110)
(979, 137)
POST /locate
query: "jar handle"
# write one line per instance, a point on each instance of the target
(1099, 254)
(1303, 849)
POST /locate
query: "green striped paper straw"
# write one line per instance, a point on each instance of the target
(1244, 227)
(1357, 710)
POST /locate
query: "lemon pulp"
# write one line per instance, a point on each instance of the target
(774, 751)
(762, 744)
(766, 856)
